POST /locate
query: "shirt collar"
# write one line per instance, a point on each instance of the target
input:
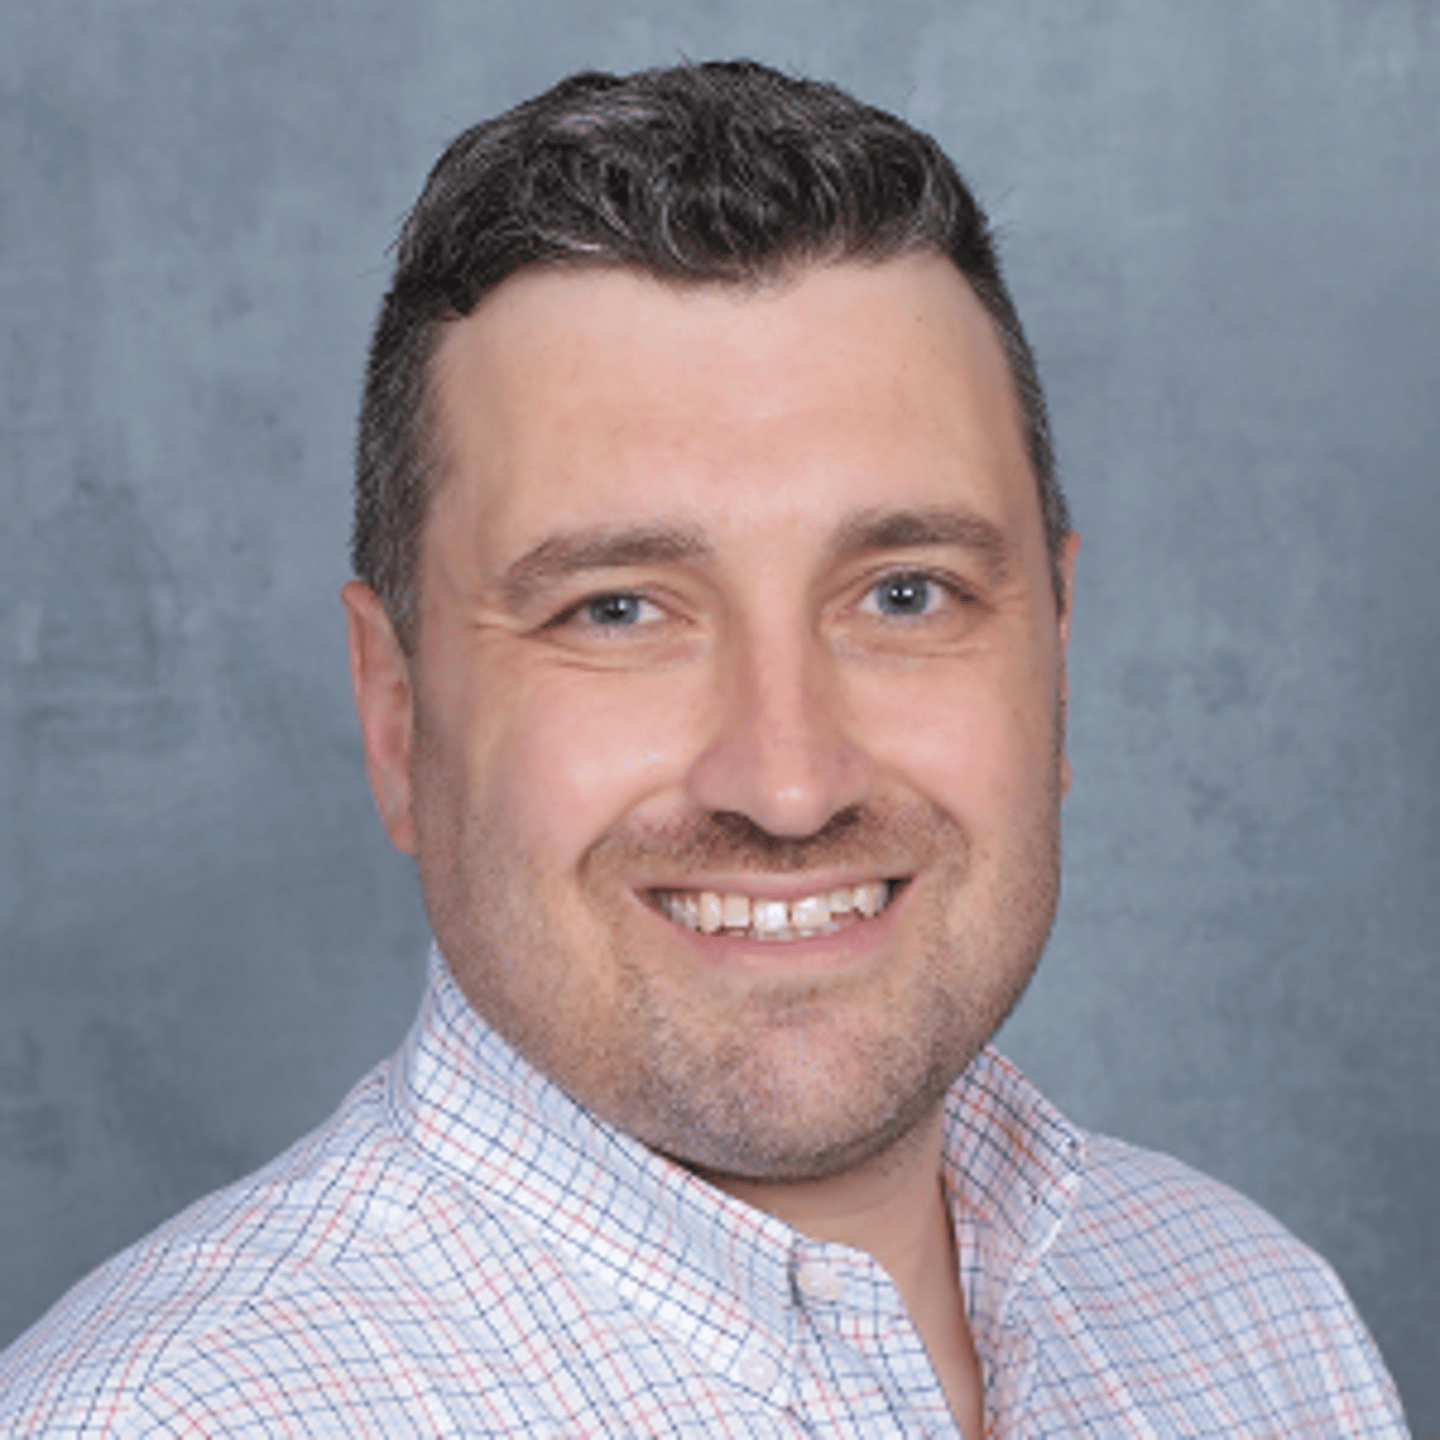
(1014, 1165)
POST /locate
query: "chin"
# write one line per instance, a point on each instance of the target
(794, 1112)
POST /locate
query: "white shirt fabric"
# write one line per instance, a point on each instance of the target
(463, 1250)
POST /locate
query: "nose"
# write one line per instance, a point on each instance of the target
(780, 752)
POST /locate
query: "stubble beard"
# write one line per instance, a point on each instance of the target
(782, 1079)
(810, 1079)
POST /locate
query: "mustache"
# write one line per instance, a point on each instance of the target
(889, 837)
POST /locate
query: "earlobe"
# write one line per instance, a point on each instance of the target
(384, 699)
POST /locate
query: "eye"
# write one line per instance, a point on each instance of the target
(906, 594)
(649, 627)
(616, 611)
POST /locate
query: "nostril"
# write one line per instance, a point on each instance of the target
(786, 790)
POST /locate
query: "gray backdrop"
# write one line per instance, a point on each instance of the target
(1221, 225)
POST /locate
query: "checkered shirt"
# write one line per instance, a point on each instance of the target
(463, 1250)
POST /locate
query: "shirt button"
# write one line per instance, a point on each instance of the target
(819, 1282)
(759, 1371)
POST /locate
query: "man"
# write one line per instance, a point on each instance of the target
(709, 650)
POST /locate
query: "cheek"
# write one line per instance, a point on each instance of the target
(571, 754)
(976, 744)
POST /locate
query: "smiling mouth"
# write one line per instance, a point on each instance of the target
(755, 917)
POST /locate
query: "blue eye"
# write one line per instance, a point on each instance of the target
(613, 610)
(903, 595)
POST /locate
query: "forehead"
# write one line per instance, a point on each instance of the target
(603, 396)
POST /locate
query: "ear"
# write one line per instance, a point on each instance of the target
(1069, 550)
(380, 676)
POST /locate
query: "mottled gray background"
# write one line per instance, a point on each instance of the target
(1221, 222)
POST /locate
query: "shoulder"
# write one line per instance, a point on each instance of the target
(1177, 1282)
(1142, 1198)
(1134, 1295)
(226, 1267)
(352, 1285)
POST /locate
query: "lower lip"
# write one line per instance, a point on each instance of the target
(852, 945)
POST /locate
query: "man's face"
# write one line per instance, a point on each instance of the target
(736, 628)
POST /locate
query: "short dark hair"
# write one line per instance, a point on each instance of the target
(720, 172)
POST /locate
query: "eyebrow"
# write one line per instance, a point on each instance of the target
(874, 530)
(561, 556)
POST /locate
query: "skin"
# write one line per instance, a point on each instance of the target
(742, 590)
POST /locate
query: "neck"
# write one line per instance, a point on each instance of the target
(893, 1207)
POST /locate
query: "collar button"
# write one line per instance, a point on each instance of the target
(818, 1281)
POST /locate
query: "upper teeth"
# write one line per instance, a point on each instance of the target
(711, 911)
